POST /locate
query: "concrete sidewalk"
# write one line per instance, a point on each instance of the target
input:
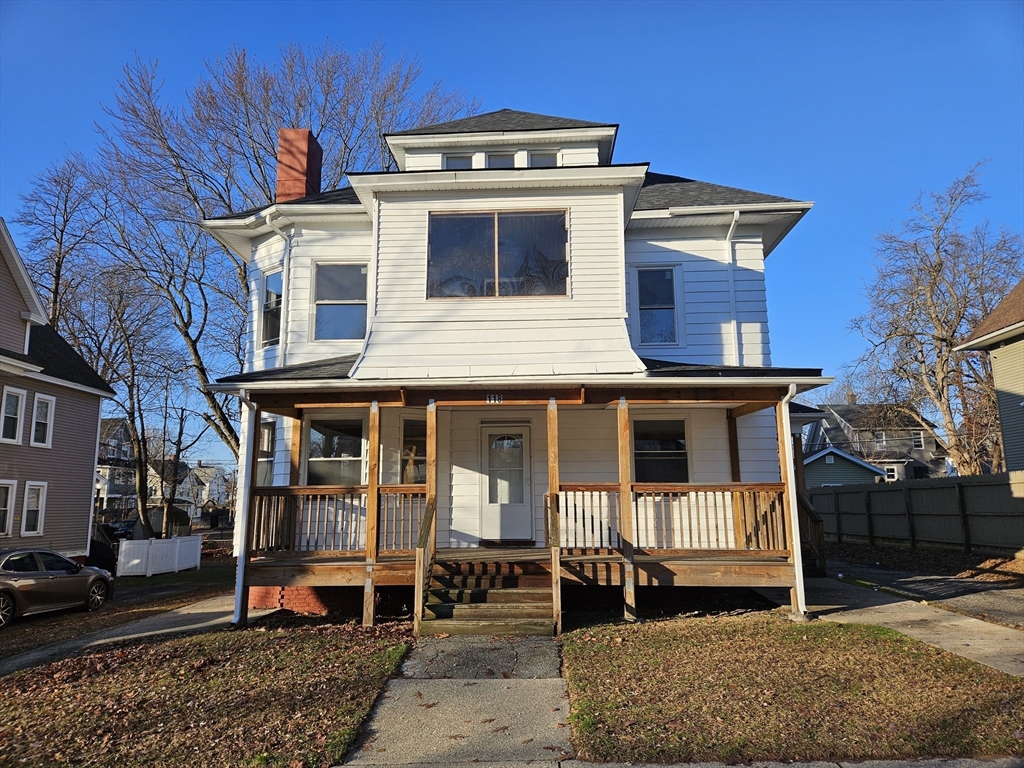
(204, 616)
(1005, 762)
(472, 700)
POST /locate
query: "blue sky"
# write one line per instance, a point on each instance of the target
(856, 106)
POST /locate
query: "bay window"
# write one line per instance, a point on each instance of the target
(497, 254)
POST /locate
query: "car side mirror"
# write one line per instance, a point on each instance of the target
(78, 567)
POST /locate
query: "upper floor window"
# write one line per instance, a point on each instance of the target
(272, 292)
(659, 452)
(543, 159)
(458, 162)
(340, 301)
(13, 415)
(918, 438)
(656, 299)
(890, 474)
(497, 254)
(42, 422)
(501, 160)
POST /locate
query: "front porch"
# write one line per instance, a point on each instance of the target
(377, 534)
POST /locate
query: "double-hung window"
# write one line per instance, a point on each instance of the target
(659, 452)
(656, 302)
(917, 436)
(42, 421)
(7, 489)
(497, 254)
(265, 460)
(340, 297)
(273, 290)
(34, 509)
(13, 415)
(335, 454)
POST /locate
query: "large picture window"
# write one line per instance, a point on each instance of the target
(659, 452)
(335, 454)
(497, 254)
(340, 301)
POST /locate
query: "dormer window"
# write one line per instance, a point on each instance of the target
(543, 159)
(458, 162)
(502, 160)
(497, 254)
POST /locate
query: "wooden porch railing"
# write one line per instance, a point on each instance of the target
(426, 550)
(333, 518)
(675, 516)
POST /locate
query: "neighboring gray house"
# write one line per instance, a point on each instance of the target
(832, 466)
(115, 468)
(50, 401)
(1001, 334)
(881, 435)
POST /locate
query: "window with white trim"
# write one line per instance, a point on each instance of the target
(7, 493)
(508, 254)
(33, 509)
(501, 160)
(340, 302)
(458, 162)
(656, 305)
(659, 452)
(918, 438)
(543, 159)
(890, 474)
(42, 421)
(335, 452)
(273, 291)
(265, 460)
(13, 415)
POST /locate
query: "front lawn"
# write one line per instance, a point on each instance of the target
(291, 692)
(759, 687)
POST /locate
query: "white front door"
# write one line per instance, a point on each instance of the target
(507, 509)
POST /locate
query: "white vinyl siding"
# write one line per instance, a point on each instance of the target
(709, 292)
(583, 332)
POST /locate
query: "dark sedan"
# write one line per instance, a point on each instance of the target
(34, 581)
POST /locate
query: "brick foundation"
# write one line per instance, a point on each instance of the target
(391, 601)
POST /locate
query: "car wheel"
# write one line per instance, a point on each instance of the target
(97, 595)
(6, 609)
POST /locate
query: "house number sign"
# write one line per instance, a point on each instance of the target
(494, 399)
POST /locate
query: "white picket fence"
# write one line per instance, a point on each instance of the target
(147, 557)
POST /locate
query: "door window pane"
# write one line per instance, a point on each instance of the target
(659, 452)
(52, 562)
(505, 470)
(414, 451)
(335, 454)
(656, 293)
(23, 563)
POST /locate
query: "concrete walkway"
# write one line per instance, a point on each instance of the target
(204, 616)
(990, 644)
(472, 700)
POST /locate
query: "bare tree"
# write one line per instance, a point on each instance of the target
(933, 283)
(172, 166)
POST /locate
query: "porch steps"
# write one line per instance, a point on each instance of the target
(488, 598)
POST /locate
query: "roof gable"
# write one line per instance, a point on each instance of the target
(503, 120)
(14, 262)
(1008, 314)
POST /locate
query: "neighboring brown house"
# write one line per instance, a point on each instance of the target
(1002, 335)
(50, 401)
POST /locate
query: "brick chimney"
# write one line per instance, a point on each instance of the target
(299, 158)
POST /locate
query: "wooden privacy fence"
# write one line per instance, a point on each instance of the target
(983, 513)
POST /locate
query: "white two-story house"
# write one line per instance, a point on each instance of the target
(510, 364)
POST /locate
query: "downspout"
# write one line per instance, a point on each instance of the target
(794, 514)
(286, 272)
(242, 508)
(737, 356)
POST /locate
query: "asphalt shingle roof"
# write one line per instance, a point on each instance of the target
(60, 360)
(340, 196)
(1009, 311)
(330, 368)
(661, 190)
(666, 368)
(503, 120)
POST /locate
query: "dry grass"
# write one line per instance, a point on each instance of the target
(289, 694)
(758, 687)
(937, 562)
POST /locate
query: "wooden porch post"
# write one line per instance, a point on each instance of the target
(626, 509)
(792, 526)
(734, 446)
(428, 541)
(554, 519)
(241, 585)
(296, 453)
(372, 513)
